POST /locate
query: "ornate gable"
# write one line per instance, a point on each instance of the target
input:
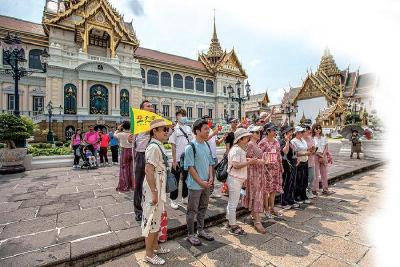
(231, 63)
(86, 15)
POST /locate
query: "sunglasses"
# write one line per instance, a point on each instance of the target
(164, 129)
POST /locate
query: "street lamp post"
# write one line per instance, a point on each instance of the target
(240, 99)
(289, 108)
(50, 136)
(14, 56)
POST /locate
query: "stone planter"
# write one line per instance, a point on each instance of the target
(11, 160)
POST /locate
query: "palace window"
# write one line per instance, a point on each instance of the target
(154, 108)
(34, 59)
(10, 102)
(224, 90)
(199, 112)
(38, 104)
(165, 79)
(143, 75)
(189, 111)
(152, 77)
(233, 113)
(189, 83)
(178, 81)
(177, 108)
(124, 102)
(209, 86)
(98, 99)
(199, 85)
(70, 99)
(210, 112)
(165, 111)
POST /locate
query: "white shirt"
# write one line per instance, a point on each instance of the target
(122, 138)
(179, 140)
(300, 146)
(320, 143)
(237, 154)
(213, 145)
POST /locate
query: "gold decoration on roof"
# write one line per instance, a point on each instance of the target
(328, 64)
(215, 51)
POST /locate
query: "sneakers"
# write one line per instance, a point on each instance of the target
(215, 194)
(310, 195)
(156, 260)
(268, 215)
(298, 201)
(236, 231)
(184, 200)
(205, 235)
(286, 207)
(307, 201)
(174, 205)
(193, 240)
(295, 205)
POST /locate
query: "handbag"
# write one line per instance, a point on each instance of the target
(171, 184)
(221, 169)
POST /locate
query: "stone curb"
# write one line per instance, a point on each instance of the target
(106, 253)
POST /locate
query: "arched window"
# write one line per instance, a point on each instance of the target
(209, 86)
(152, 77)
(69, 132)
(98, 99)
(165, 79)
(143, 75)
(199, 85)
(70, 98)
(189, 84)
(178, 81)
(124, 102)
(34, 59)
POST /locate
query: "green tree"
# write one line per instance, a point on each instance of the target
(12, 128)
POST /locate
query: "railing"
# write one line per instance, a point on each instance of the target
(36, 116)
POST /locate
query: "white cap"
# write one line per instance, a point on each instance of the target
(298, 129)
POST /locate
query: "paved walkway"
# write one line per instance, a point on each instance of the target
(330, 232)
(55, 215)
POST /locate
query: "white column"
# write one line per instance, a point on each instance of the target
(85, 106)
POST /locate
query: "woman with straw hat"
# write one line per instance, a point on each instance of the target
(237, 175)
(154, 190)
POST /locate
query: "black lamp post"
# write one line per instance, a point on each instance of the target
(289, 108)
(240, 99)
(14, 56)
(50, 136)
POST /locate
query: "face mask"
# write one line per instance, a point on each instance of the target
(184, 120)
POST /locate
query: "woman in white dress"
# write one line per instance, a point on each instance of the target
(154, 191)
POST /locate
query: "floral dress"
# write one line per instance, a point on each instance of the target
(254, 198)
(273, 168)
(151, 220)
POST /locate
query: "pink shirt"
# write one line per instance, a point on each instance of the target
(310, 143)
(76, 139)
(91, 137)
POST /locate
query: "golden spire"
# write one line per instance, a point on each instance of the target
(215, 51)
(328, 64)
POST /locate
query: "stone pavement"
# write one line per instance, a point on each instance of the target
(330, 232)
(60, 215)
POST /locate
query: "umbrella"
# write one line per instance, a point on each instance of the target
(347, 131)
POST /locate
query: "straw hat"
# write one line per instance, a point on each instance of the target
(298, 129)
(239, 133)
(158, 123)
(254, 128)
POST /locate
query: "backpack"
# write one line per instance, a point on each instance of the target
(221, 169)
(182, 158)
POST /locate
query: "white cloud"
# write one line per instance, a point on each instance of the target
(253, 63)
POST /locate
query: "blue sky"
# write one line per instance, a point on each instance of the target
(274, 46)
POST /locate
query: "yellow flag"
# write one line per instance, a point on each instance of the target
(140, 120)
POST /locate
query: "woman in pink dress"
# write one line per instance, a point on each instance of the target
(254, 198)
(126, 166)
(273, 169)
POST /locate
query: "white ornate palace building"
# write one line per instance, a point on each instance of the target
(97, 70)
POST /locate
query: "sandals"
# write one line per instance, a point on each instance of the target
(155, 260)
(162, 250)
(236, 231)
(260, 228)
(327, 192)
(276, 213)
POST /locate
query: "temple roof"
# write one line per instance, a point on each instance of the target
(15, 24)
(165, 57)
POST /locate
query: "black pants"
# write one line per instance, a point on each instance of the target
(114, 153)
(139, 178)
(301, 181)
(76, 157)
(289, 178)
(103, 154)
(177, 173)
